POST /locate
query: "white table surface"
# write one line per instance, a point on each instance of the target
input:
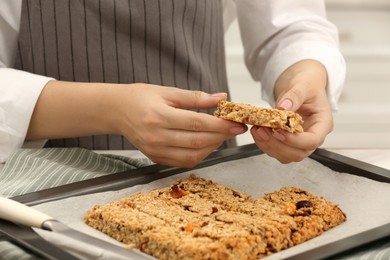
(377, 157)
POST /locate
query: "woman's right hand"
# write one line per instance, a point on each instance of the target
(157, 121)
(153, 118)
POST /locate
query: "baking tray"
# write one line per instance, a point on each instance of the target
(30, 241)
(150, 173)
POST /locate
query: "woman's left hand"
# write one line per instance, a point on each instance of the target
(301, 88)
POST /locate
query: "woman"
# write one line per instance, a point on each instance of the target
(135, 68)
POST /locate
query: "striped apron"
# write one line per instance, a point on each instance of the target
(164, 42)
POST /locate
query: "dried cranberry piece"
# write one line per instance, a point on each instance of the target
(305, 213)
(177, 193)
(304, 204)
(236, 194)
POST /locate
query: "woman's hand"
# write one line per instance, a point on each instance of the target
(301, 88)
(157, 121)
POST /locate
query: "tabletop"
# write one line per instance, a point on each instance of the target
(377, 157)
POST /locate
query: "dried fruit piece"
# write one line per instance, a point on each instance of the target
(290, 208)
(304, 204)
(236, 194)
(190, 227)
(304, 213)
(177, 193)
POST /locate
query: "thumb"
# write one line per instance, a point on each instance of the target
(196, 99)
(291, 100)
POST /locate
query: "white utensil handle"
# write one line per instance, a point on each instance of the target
(19, 213)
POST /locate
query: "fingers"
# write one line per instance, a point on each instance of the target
(176, 115)
(183, 138)
(193, 99)
(291, 100)
(299, 84)
(180, 138)
(288, 147)
(181, 157)
(170, 134)
(201, 122)
(173, 113)
(283, 146)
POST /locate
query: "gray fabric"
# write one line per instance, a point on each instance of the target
(172, 43)
(29, 170)
(9, 251)
(379, 250)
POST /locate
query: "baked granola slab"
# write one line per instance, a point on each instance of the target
(197, 218)
(266, 117)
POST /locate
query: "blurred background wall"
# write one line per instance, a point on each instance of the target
(363, 118)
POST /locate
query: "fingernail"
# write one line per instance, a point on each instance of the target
(263, 134)
(286, 104)
(220, 94)
(237, 130)
(278, 135)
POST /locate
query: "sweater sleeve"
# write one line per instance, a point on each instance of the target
(279, 33)
(19, 93)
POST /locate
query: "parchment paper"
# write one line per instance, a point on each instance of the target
(365, 202)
